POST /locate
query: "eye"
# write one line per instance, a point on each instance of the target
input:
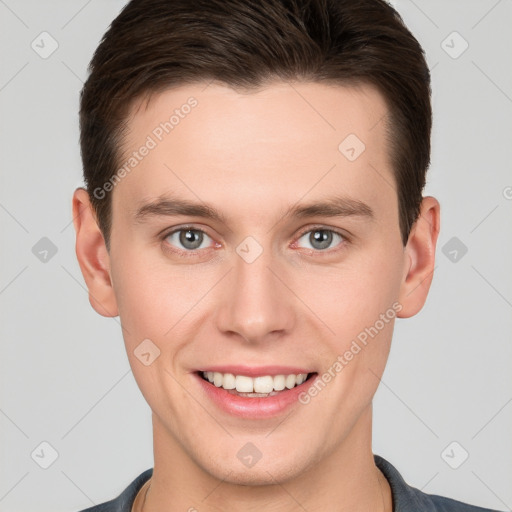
(188, 238)
(321, 238)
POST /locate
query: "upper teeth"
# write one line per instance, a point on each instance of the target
(265, 384)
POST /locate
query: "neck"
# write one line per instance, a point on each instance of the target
(346, 479)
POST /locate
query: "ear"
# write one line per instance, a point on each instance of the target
(419, 258)
(92, 255)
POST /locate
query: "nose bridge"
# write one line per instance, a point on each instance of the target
(255, 303)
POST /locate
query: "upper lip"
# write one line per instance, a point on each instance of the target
(257, 371)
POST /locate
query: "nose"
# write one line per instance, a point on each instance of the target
(256, 302)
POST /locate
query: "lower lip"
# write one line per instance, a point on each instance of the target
(253, 408)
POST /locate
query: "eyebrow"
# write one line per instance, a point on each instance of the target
(336, 206)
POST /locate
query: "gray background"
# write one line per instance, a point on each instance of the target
(65, 377)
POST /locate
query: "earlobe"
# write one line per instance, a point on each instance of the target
(419, 258)
(93, 256)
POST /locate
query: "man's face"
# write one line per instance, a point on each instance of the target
(257, 286)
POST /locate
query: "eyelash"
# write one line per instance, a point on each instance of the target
(317, 252)
(183, 253)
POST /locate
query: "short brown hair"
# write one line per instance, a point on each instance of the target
(154, 45)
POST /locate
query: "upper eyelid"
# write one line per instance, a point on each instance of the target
(319, 227)
(166, 234)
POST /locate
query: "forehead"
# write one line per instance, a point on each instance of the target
(280, 142)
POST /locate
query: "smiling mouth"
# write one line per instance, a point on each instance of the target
(255, 387)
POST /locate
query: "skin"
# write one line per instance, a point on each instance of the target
(251, 156)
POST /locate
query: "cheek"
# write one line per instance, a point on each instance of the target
(159, 301)
(359, 307)
(354, 296)
(146, 290)
(152, 299)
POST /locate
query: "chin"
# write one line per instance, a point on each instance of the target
(264, 472)
(254, 477)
